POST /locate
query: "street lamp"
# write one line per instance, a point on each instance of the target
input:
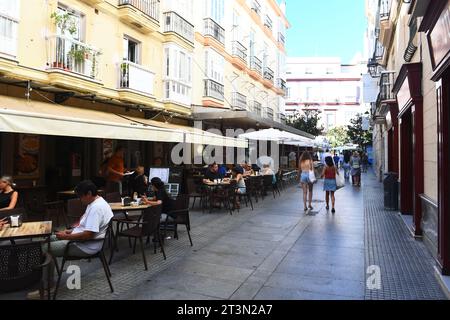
(373, 67)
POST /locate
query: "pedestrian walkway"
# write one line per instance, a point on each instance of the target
(277, 252)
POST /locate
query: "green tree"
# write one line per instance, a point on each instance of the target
(306, 121)
(356, 133)
(338, 136)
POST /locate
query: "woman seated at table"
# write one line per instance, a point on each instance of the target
(161, 197)
(8, 196)
(248, 171)
(238, 176)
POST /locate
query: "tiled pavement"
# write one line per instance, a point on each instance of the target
(275, 252)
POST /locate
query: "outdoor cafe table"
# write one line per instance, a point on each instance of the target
(27, 230)
(118, 207)
(212, 187)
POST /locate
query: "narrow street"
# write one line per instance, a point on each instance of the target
(277, 252)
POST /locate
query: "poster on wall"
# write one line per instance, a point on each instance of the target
(26, 156)
(107, 148)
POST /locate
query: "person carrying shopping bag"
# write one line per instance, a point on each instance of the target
(329, 185)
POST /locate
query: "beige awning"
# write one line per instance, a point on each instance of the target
(35, 117)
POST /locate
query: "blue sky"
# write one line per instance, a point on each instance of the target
(326, 28)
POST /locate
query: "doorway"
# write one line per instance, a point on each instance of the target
(407, 191)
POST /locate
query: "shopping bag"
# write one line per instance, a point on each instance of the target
(340, 182)
(312, 176)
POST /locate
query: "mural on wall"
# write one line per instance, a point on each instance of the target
(26, 156)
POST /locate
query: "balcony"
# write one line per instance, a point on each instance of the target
(256, 64)
(214, 30)
(268, 113)
(379, 50)
(281, 117)
(239, 101)
(268, 22)
(142, 15)
(256, 7)
(386, 24)
(135, 77)
(281, 38)
(387, 80)
(177, 92)
(255, 107)
(268, 74)
(281, 84)
(239, 54)
(385, 9)
(174, 23)
(72, 63)
(213, 89)
(239, 50)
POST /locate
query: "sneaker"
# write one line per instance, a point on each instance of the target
(35, 295)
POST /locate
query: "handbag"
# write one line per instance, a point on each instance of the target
(340, 182)
(312, 176)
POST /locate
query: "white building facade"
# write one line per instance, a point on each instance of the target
(327, 85)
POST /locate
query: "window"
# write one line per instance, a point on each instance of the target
(9, 22)
(77, 18)
(131, 50)
(215, 65)
(309, 93)
(236, 27)
(215, 10)
(331, 120)
(178, 74)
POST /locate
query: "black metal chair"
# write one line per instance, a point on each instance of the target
(179, 215)
(195, 192)
(100, 254)
(22, 266)
(148, 227)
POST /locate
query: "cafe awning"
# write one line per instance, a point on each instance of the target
(35, 117)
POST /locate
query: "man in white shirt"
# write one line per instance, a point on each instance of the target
(92, 224)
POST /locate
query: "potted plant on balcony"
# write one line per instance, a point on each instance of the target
(64, 23)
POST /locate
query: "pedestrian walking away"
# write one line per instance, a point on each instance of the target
(329, 184)
(355, 163)
(306, 166)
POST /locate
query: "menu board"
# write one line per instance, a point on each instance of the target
(162, 173)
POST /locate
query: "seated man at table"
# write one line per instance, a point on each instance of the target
(92, 224)
(212, 173)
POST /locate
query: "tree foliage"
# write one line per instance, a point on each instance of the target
(307, 121)
(338, 136)
(356, 133)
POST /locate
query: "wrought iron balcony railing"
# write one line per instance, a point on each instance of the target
(67, 54)
(214, 30)
(255, 107)
(239, 51)
(173, 22)
(256, 64)
(268, 74)
(239, 101)
(281, 84)
(136, 77)
(213, 89)
(268, 22)
(148, 7)
(385, 8)
(387, 80)
(256, 6)
(281, 38)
